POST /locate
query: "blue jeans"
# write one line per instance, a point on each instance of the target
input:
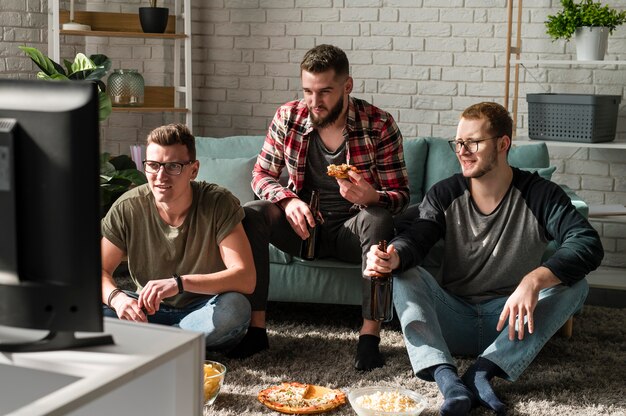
(223, 318)
(437, 324)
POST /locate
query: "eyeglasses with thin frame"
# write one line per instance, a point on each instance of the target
(171, 168)
(471, 145)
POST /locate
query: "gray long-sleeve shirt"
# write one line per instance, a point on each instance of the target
(486, 256)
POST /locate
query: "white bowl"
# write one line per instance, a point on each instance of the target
(353, 397)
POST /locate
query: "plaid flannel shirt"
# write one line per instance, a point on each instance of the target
(374, 147)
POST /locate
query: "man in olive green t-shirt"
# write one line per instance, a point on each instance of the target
(187, 250)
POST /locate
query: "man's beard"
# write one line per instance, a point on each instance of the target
(332, 116)
(490, 165)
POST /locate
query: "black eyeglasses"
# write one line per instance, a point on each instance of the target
(171, 168)
(470, 145)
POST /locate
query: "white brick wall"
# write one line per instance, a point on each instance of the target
(421, 61)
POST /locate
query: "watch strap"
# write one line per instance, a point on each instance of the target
(179, 282)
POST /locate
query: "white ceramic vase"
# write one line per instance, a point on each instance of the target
(591, 43)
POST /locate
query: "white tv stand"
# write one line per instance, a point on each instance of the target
(151, 369)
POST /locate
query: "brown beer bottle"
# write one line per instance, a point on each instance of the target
(382, 293)
(308, 249)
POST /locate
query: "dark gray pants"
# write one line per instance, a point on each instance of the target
(346, 237)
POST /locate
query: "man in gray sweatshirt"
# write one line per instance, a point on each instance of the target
(494, 296)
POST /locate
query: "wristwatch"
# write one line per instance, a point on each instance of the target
(179, 282)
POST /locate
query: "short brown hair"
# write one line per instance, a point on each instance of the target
(172, 134)
(325, 57)
(499, 122)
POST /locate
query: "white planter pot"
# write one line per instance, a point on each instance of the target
(591, 43)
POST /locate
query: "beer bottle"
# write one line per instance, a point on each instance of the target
(381, 288)
(308, 249)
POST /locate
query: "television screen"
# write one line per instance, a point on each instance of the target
(50, 272)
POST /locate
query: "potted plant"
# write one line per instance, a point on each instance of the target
(91, 68)
(590, 22)
(117, 175)
(153, 19)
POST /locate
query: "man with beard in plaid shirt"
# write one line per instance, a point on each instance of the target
(327, 126)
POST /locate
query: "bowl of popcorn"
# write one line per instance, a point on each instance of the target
(213, 379)
(386, 401)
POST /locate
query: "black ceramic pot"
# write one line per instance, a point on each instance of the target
(153, 19)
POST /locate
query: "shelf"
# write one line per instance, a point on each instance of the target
(564, 62)
(609, 219)
(113, 34)
(156, 99)
(613, 278)
(607, 210)
(125, 25)
(616, 144)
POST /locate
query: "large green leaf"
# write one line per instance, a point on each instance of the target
(133, 175)
(117, 185)
(47, 65)
(122, 168)
(53, 77)
(105, 107)
(101, 60)
(81, 63)
(82, 67)
(122, 162)
(96, 73)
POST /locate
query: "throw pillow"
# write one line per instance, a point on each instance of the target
(233, 174)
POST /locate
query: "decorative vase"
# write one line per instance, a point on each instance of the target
(591, 43)
(126, 88)
(153, 19)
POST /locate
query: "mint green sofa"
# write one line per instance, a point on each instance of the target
(228, 161)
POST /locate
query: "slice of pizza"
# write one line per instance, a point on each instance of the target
(299, 398)
(340, 171)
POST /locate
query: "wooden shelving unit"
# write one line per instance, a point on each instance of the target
(611, 278)
(514, 59)
(176, 98)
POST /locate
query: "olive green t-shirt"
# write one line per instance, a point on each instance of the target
(156, 250)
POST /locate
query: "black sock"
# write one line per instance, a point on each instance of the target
(368, 355)
(477, 378)
(457, 397)
(254, 341)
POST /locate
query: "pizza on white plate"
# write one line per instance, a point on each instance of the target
(299, 398)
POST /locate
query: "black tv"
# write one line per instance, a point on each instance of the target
(50, 270)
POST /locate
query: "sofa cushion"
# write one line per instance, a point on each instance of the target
(229, 147)
(278, 256)
(441, 162)
(415, 153)
(233, 174)
(545, 173)
(533, 155)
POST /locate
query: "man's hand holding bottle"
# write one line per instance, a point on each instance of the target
(381, 262)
